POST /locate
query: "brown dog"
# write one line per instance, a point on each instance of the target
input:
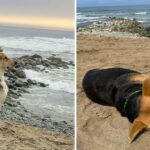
(4, 63)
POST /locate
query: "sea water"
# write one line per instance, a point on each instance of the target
(86, 15)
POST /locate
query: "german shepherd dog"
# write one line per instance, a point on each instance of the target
(125, 89)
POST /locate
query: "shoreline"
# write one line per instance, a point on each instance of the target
(115, 27)
(19, 85)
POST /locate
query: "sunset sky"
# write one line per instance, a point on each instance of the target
(51, 14)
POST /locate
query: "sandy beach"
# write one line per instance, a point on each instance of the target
(101, 127)
(14, 136)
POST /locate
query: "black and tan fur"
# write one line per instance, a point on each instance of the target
(125, 89)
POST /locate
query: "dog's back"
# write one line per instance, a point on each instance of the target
(99, 84)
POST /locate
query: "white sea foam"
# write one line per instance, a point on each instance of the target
(84, 17)
(89, 18)
(141, 13)
(142, 21)
(38, 44)
(57, 79)
(60, 108)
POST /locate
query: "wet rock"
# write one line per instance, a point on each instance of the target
(71, 63)
(10, 85)
(25, 57)
(46, 63)
(14, 96)
(20, 74)
(29, 66)
(65, 67)
(20, 83)
(37, 56)
(55, 59)
(42, 84)
(12, 104)
(32, 82)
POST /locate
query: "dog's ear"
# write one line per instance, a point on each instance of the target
(137, 127)
(146, 87)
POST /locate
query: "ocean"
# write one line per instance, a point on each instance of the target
(87, 15)
(56, 100)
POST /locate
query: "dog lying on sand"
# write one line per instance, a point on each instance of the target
(127, 90)
(4, 63)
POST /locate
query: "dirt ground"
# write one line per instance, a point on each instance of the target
(102, 127)
(14, 136)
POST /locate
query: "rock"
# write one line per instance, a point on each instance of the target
(37, 56)
(25, 57)
(65, 67)
(14, 96)
(116, 25)
(10, 85)
(42, 84)
(28, 66)
(20, 83)
(9, 74)
(31, 82)
(71, 63)
(55, 59)
(12, 104)
(20, 73)
(46, 63)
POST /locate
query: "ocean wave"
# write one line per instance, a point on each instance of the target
(84, 17)
(141, 13)
(57, 79)
(60, 108)
(38, 44)
(143, 21)
(82, 22)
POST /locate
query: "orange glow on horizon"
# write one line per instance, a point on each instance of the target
(61, 23)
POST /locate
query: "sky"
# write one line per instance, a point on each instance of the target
(49, 14)
(81, 3)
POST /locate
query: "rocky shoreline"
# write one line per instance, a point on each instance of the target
(116, 26)
(18, 84)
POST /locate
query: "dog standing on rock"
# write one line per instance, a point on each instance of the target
(125, 89)
(5, 62)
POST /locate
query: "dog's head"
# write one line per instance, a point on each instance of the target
(5, 61)
(143, 120)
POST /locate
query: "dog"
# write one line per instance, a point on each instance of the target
(125, 89)
(5, 62)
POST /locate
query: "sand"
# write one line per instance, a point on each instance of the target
(102, 127)
(14, 136)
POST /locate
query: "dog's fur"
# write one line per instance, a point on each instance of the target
(127, 90)
(4, 63)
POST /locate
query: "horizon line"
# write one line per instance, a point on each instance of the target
(32, 27)
(113, 5)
